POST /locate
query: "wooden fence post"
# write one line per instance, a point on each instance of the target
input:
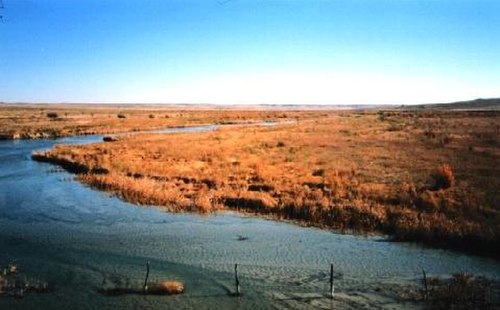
(426, 294)
(237, 281)
(332, 288)
(146, 279)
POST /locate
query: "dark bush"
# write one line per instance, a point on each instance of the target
(109, 139)
(260, 187)
(443, 177)
(318, 172)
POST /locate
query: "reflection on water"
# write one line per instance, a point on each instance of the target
(81, 240)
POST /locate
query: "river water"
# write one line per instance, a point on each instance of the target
(81, 240)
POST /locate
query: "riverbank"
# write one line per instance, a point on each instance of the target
(82, 240)
(423, 177)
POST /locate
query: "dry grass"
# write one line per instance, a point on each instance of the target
(358, 171)
(51, 121)
(170, 287)
(167, 288)
(443, 177)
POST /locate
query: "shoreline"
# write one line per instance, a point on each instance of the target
(456, 245)
(266, 199)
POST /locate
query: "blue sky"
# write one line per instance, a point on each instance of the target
(249, 51)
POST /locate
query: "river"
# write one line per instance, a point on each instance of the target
(81, 240)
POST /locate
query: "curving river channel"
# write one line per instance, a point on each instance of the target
(81, 240)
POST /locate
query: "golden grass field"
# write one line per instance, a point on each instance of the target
(420, 175)
(59, 120)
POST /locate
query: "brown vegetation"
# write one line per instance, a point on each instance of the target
(34, 121)
(167, 288)
(170, 287)
(358, 171)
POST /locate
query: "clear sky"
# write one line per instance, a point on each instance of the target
(249, 51)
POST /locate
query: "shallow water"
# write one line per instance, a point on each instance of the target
(81, 240)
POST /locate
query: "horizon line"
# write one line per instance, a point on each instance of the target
(247, 104)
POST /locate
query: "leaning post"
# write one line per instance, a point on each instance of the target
(237, 281)
(426, 293)
(146, 279)
(332, 288)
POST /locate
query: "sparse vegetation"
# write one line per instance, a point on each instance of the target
(14, 283)
(33, 122)
(461, 291)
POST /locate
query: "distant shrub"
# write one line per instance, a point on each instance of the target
(151, 116)
(121, 115)
(280, 144)
(381, 116)
(109, 139)
(318, 172)
(52, 115)
(443, 177)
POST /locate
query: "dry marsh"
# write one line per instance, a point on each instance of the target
(419, 176)
(35, 121)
